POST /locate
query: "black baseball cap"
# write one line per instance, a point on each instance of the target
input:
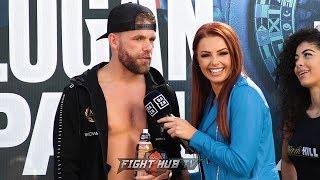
(123, 18)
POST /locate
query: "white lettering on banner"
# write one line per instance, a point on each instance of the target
(98, 4)
(20, 44)
(3, 72)
(72, 50)
(72, 39)
(126, 1)
(183, 22)
(99, 49)
(18, 126)
(41, 147)
(181, 103)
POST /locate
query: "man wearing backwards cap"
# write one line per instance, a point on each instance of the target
(101, 112)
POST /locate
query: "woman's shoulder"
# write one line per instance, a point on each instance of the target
(246, 88)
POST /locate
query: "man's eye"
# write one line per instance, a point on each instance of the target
(138, 38)
(152, 39)
(205, 55)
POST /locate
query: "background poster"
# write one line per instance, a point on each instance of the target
(44, 43)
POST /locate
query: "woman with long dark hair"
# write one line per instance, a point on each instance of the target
(231, 122)
(298, 79)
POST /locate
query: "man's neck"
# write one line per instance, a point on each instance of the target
(115, 71)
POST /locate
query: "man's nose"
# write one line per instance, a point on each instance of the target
(148, 46)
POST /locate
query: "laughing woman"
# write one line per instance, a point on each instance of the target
(231, 123)
(298, 77)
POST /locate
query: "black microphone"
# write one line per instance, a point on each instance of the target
(157, 105)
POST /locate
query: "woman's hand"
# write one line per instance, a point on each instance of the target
(177, 127)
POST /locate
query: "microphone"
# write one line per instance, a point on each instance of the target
(157, 105)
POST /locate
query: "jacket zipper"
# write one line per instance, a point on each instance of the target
(58, 156)
(218, 169)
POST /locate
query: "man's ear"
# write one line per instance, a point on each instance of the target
(114, 40)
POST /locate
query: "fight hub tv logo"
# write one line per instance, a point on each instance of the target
(153, 165)
(160, 101)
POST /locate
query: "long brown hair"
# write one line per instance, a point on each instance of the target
(201, 87)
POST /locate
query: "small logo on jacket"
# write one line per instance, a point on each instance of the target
(94, 133)
(89, 115)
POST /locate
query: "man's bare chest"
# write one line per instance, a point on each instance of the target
(125, 111)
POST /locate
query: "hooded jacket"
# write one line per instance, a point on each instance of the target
(80, 137)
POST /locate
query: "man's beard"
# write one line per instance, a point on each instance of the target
(130, 62)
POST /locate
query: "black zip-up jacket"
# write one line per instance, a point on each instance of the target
(80, 136)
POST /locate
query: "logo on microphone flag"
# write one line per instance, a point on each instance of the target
(151, 109)
(161, 101)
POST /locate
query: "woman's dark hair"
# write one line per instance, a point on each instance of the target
(294, 98)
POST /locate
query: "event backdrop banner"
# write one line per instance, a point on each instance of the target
(44, 43)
